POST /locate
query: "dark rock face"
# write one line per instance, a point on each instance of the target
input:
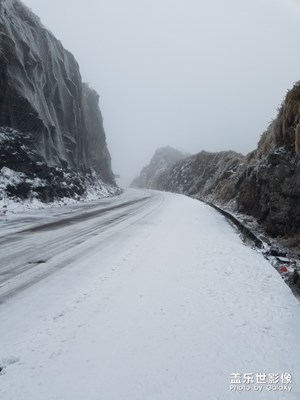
(43, 99)
(162, 161)
(204, 174)
(25, 174)
(268, 187)
(97, 152)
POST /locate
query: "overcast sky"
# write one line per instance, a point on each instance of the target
(192, 74)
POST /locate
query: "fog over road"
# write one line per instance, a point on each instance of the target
(148, 295)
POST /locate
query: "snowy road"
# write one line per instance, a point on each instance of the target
(34, 247)
(147, 296)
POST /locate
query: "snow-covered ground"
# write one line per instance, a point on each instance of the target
(10, 205)
(155, 299)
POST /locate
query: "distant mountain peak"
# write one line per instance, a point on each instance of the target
(163, 159)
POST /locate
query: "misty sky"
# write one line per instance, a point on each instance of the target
(192, 74)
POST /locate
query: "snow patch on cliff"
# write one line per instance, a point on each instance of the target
(12, 204)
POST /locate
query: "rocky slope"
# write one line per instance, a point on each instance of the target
(204, 174)
(51, 125)
(161, 163)
(268, 187)
(265, 184)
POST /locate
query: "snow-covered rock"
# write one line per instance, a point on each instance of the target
(51, 127)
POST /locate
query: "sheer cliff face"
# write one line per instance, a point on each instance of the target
(98, 156)
(269, 185)
(41, 94)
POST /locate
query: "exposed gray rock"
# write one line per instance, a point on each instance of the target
(204, 174)
(268, 187)
(162, 161)
(46, 106)
(97, 152)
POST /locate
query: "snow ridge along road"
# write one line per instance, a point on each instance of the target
(154, 299)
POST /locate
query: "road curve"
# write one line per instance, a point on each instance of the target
(33, 249)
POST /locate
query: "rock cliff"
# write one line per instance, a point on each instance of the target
(268, 186)
(204, 174)
(51, 125)
(265, 184)
(161, 163)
